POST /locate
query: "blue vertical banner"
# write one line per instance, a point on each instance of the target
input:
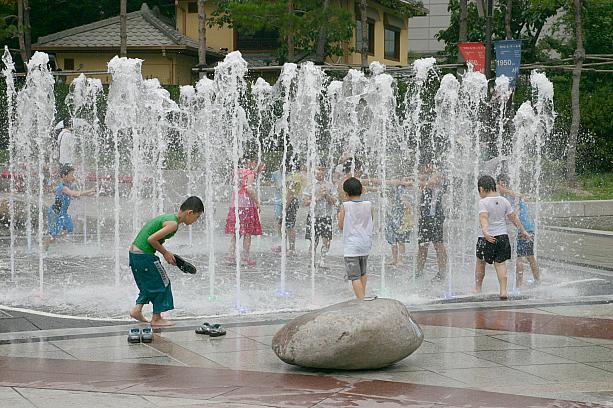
(508, 58)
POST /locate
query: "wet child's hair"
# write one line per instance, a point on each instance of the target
(503, 178)
(487, 183)
(248, 156)
(353, 187)
(194, 204)
(352, 163)
(67, 122)
(66, 170)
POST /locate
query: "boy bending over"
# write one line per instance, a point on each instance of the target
(149, 274)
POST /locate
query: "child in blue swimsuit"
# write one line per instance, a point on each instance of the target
(60, 222)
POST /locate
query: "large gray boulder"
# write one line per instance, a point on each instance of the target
(352, 335)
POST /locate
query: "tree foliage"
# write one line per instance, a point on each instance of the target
(50, 16)
(255, 15)
(595, 149)
(527, 21)
(597, 29)
(8, 20)
(595, 144)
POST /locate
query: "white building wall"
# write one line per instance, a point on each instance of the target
(422, 29)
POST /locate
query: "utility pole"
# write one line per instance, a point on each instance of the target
(27, 27)
(201, 37)
(290, 32)
(364, 27)
(123, 29)
(507, 20)
(462, 34)
(488, 39)
(23, 31)
(579, 55)
(320, 54)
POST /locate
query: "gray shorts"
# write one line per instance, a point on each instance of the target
(355, 266)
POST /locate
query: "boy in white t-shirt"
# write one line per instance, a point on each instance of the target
(355, 220)
(493, 243)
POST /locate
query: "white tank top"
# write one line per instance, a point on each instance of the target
(357, 228)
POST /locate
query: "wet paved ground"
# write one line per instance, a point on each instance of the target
(549, 346)
(547, 356)
(80, 281)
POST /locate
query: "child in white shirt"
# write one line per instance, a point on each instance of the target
(493, 243)
(356, 221)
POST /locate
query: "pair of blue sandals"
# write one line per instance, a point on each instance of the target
(138, 335)
(213, 330)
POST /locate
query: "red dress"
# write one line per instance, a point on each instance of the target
(248, 216)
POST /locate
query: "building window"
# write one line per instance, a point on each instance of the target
(68, 64)
(392, 44)
(370, 36)
(261, 40)
(192, 7)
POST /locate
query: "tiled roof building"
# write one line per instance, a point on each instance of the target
(167, 54)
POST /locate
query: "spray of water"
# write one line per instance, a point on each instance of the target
(122, 120)
(308, 119)
(11, 94)
(35, 112)
(82, 103)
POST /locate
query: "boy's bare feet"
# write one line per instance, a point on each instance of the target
(137, 314)
(47, 242)
(159, 322)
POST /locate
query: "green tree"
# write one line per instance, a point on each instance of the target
(527, 21)
(296, 20)
(51, 16)
(8, 20)
(597, 16)
(593, 128)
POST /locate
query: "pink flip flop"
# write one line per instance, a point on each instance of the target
(249, 262)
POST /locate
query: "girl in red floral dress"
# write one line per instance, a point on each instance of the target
(248, 212)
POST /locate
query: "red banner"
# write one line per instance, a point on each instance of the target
(474, 53)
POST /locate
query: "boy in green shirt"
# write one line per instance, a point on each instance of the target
(149, 274)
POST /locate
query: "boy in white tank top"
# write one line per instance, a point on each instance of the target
(356, 221)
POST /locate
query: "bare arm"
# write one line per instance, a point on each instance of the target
(505, 191)
(484, 220)
(400, 182)
(434, 180)
(78, 193)
(522, 231)
(429, 181)
(154, 241)
(328, 195)
(250, 190)
(341, 218)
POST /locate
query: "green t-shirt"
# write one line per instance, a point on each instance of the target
(151, 228)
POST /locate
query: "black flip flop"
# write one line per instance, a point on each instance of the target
(185, 266)
(204, 328)
(213, 330)
(217, 331)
